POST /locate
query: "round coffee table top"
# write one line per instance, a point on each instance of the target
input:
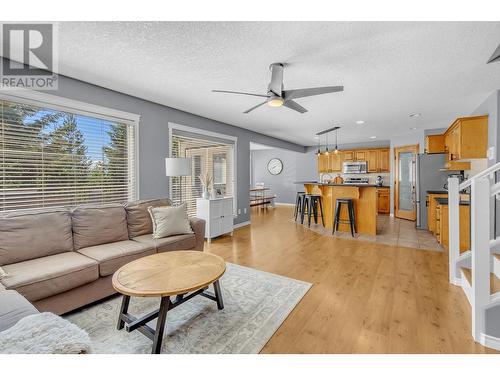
(168, 274)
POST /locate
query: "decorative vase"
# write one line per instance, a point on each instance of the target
(205, 194)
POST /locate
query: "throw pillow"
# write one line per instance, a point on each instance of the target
(170, 220)
(2, 273)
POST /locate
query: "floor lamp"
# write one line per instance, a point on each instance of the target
(178, 167)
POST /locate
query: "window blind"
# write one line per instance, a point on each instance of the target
(52, 158)
(209, 155)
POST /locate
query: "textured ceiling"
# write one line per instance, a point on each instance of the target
(389, 70)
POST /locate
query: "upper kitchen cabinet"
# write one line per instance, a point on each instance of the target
(323, 163)
(348, 155)
(335, 162)
(467, 138)
(378, 160)
(435, 144)
(384, 163)
(361, 155)
(373, 161)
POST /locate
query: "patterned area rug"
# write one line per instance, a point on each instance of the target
(255, 305)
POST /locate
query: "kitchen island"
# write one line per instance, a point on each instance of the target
(365, 204)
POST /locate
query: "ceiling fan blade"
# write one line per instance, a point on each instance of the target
(257, 106)
(302, 93)
(241, 93)
(295, 106)
(276, 84)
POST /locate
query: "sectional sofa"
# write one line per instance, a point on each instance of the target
(61, 259)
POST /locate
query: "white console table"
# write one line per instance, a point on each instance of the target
(218, 214)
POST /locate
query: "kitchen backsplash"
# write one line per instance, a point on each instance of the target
(372, 177)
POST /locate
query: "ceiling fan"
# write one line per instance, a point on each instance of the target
(276, 96)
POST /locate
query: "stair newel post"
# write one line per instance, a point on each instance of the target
(454, 229)
(480, 249)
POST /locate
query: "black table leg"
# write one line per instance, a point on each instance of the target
(160, 325)
(123, 311)
(218, 295)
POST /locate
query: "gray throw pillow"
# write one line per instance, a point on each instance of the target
(170, 220)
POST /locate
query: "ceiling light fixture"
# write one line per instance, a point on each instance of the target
(275, 102)
(415, 115)
(319, 145)
(326, 151)
(413, 128)
(373, 137)
(360, 122)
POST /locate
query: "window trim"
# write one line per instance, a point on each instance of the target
(175, 126)
(59, 103)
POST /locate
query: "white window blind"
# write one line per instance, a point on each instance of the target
(53, 158)
(209, 155)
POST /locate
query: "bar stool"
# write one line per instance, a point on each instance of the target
(310, 207)
(350, 210)
(298, 203)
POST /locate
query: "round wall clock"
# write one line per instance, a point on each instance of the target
(275, 166)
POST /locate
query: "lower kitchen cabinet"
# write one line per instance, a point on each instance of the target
(383, 200)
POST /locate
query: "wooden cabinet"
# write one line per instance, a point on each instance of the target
(442, 224)
(467, 138)
(361, 155)
(348, 155)
(335, 162)
(323, 166)
(384, 164)
(373, 161)
(377, 160)
(383, 201)
(431, 211)
(435, 144)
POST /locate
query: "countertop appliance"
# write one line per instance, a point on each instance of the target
(354, 167)
(356, 181)
(379, 181)
(428, 177)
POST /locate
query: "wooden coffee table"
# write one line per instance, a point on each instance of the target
(183, 274)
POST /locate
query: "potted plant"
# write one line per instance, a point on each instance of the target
(206, 181)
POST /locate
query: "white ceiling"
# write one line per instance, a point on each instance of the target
(389, 70)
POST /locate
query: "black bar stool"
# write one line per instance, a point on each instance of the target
(310, 207)
(298, 204)
(350, 210)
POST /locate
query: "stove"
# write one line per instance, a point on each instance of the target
(356, 181)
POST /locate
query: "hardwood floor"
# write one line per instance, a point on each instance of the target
(366, 298)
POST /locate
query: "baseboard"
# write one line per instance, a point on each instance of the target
(456, 281)
(239, 225)
(491, 342)
(284, 204)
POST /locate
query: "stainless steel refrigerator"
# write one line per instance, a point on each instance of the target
(428, 177)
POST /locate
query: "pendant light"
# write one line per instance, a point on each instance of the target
(326, 151)
(319, 146)
(336, 141)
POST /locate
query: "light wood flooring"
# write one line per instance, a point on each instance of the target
(367, 297)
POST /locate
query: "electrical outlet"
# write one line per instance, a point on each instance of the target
(239, 211)
(491, 153)
(245, 210)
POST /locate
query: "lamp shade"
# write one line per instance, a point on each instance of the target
(178, 166)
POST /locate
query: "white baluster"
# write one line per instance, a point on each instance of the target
(453, 229)
(480, 248)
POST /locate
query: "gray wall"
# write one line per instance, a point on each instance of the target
(154, 142)
(296, 167)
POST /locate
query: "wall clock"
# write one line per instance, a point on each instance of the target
(275, 166)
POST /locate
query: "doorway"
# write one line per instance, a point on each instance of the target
(405, 182)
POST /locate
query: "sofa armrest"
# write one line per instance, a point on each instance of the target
(198, 226)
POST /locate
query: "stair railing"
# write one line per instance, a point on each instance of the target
(482, 190)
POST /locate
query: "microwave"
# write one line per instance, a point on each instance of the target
(354, 167)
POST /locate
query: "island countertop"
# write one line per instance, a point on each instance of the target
(331, 184)
(364, 197)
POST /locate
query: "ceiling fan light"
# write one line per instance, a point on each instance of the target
(275, 102)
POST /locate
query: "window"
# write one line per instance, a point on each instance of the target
(210, 155)
(50, 158)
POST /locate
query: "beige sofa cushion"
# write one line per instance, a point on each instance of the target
(112, 256)
(43, 277)
(34, 234)
(96, 225)
(179, 242)
(138, 218)
(13, 307)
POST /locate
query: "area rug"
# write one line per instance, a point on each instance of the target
(255, 305)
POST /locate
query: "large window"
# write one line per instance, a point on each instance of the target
(51, 158)
(210, 155)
